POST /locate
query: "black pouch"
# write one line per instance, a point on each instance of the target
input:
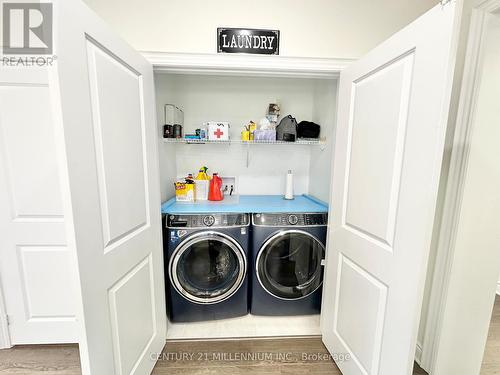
(308, 129)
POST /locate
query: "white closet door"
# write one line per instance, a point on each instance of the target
(36, 267)
(107, 116)
(393, 106)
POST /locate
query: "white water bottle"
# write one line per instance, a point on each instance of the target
(289, 185)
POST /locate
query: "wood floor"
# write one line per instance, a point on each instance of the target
(302, 356)
(491, 359)
(262, 357)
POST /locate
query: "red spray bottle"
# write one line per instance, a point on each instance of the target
(215, 192)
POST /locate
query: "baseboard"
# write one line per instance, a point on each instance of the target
(418, 354)
(498, 288)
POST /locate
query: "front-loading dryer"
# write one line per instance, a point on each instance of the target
(206, 266)
(287, 260)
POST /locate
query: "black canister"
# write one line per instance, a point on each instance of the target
(167, 131)
(177, 132)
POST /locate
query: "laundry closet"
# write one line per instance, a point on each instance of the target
(258, 171)
(365, 190)
(260, 168)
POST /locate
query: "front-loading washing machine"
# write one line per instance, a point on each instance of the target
(288, 252)
(206, 266)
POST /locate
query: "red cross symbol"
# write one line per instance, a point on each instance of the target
(218, 133)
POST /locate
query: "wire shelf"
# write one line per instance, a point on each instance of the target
(301, 141)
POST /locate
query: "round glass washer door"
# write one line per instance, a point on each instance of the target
(208, 267)
(289, 264)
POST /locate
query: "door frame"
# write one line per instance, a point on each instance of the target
(457, 173)
(261, 65)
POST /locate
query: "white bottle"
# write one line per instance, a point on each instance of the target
(289, 185)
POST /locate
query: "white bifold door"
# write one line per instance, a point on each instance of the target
(104, 105)
(392, 115)
(36, 266)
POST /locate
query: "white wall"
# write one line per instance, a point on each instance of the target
(239, 100)
(476, 260)
(313, 28)
(321, 163)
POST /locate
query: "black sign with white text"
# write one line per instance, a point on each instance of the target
(261, 42)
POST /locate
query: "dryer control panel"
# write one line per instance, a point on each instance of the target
(290, 220)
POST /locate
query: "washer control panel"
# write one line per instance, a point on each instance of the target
(208, 220)
(290, 219)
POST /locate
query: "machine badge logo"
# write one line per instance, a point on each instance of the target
(176, 234)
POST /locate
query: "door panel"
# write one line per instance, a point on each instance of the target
(358, 331)
(118, 130)
(43, 295)
(30, 156)
(110, 148)
(377, 135)
(36, 267)
(131, 300)
(393, 106)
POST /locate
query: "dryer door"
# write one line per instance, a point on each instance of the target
(208, 267)
(289, 264)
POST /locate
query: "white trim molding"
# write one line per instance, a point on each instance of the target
(418, 353)
(455, 183)
(498, 288)
(241, 64)
(4, 324)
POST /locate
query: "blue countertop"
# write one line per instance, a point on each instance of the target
(248, 204)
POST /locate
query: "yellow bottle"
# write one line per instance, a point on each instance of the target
(202, 174)
(245, 135)
(251, 127)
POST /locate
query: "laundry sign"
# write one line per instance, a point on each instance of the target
(261, 42)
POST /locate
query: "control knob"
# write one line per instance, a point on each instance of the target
(293, 219)
(209, 220)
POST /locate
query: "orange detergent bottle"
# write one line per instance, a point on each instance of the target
(215, 193)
